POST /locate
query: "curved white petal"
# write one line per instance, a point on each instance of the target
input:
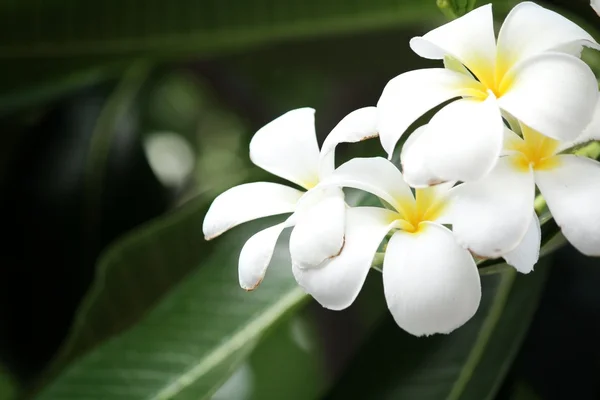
(490, 217)
(527, 253)
(530, 29)
(318, 233)
(409, 95)
(247, 202)
(357, 126)
(592, 131)
(470, 39)
(430, 283)
(337, 282)
(375, 175)
(572, 191)
(256, 256)
(464, 140)
(413, 159)
(595, 6)
(287, 147)
(553, 93)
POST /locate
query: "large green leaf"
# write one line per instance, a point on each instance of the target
(189, 343)
(470, 363)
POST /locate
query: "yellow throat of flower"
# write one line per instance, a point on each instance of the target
(535, 150)
(428, 206)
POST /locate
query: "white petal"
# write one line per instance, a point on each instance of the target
(572, 191)
(287, 147)
(247, 202)
(527, 253)
(357, 126)
(595, 6)
(256, 256)
(464, 140)
(530, 29)
(375, 175)
(470, 39)
(553, 93)
(592, 131)
(411, 94)
(430, 283)
(413, 158)
(490, 217)
(318, 233)
(337, 282)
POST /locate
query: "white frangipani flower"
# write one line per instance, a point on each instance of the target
(490, 216)
(532, 73)
(287, 147)
(431, 284)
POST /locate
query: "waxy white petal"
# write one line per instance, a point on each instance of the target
(595, 6)
(553, 93)
(469, 39)
(337, 282)
(287, 147)
(414, 160)
(318, 233)
(357, 126)
(375, 175)
(530, 29)
(247, 202)
(527, 253)
(411, 94)
(256, 256)
(430, 283)
(571, 191)
(491, 216)
(464, 140)
(592, 131)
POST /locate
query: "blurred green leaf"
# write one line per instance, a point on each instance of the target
(470, 363)
(197, 330)
(111, 27)
(8, 387)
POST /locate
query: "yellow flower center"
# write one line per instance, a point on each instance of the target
(535, 150)
(427, 206)
(490, 77)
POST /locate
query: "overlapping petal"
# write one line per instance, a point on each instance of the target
(571, 191)
(287, 147)
(530, 29)
(375, 175)
(357, 126)
(464, 140)
(247, 202)
(411, 94)
(527, 253)
(318, 233)
(337, 282)
(469, 39)
(491, 216)
(592, 131)
(430, 283)
(414, 160)
(256, 256)
(553, 93)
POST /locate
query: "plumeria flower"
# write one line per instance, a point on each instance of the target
(532, 73)
(287, 147)
(492, 214)
(431, 284)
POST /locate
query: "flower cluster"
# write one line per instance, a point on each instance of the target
(468, 179)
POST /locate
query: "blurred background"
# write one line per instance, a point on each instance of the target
(122, 120)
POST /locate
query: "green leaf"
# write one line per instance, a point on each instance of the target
(39, 29)
(188, 345)
(470, 363)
